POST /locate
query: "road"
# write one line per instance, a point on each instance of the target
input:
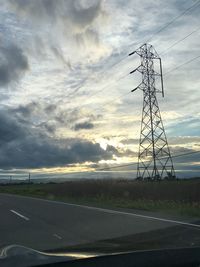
(45, 225)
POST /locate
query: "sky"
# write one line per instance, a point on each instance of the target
(65, 102)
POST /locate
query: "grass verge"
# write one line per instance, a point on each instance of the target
(50, 192)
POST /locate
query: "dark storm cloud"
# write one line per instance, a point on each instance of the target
(83, 125)
(23, 146)
(9, 130)
(13, 64)
(33, 152)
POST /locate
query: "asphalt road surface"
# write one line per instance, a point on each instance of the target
(45, 225)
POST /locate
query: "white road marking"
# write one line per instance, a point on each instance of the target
(115, 212)
(59, 237)
(125, 213)
(137, 215)
(20, 215)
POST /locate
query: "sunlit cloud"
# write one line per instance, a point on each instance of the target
(65, 90)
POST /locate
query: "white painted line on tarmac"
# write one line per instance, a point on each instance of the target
(125, 213)
(136, 215)
(116, 212)
(20, 215)
(57, 236)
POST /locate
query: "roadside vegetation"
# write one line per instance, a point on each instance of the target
(177, 197)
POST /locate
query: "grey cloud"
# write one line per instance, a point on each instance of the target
(50, 108)
(13, 64)
(83, 125)
(183, 140)
(121, 152)
(129, 153)
(23, 146)
(34, 153)
(71, 21)
(113, 150)
(184, 157)
(129, 141)
(76, 119)
(28, 113)
(59, 54)
(79, 12)
(25, 110)
(48, 127)
(180, 150)
(9, 129)
(90, 35)
(188, 126)
(50, 117)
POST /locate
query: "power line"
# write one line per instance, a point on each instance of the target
(165, 74)
(155, 33)
(111, 101)
(103, 89)
(116, 63)
(135, 163)
(108, 86)
(197, 3)
(181, 65)
(97, 92)
(123, 95)
(177, 42)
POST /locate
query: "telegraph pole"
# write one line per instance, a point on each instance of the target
(154, 157)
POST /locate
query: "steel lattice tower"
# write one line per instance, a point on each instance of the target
(154, 158)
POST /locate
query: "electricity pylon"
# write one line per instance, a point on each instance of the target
(154, 158)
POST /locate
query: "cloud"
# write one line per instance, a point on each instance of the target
(188, 160)
(9, 129)
(83, 125)
(25, 110)
(81, 13)
(130, 141)
(71, 47)
(23, 146)
(51, 117)
(66, 25)
(13, 64)
(184, 140)
(186, 126)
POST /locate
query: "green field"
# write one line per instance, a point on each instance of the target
(177, 197)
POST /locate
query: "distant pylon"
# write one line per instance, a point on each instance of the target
(154, 158)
